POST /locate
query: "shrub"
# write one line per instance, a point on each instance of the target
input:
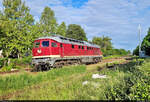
(6, 68)
(25, 60)
(135, 85)
(2, 61)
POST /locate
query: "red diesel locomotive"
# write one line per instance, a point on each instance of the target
(56, 51)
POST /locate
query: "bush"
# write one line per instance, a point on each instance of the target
(25, 60)
(14, 63)
(6, 68)
(135, 85)
(2, 61)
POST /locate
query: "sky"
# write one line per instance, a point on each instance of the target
(118, 19)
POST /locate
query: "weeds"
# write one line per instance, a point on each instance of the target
(112, 56)
(126, 82)
(15, 63)
(20, 81)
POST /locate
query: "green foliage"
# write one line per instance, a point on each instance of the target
(134, 86)
(2, 61)
(76, 32)
(22, 61)
(146, 43)
(20, 81)
(136, 51)
(6, 68)
(103, 42)
(16, 38)
(15, 63)
(107, 48)
(127, 82)
(48, 22)
(61, 30)
(112, 56)
(145, 46)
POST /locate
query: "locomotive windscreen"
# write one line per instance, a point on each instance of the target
(45, 44)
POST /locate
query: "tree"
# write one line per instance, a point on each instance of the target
(146, 43)
(16, 25)
(106, 46)
(62, 29)
(76, 32)
(98, 41)
(48, 22)
(103, 42)
(136, 51)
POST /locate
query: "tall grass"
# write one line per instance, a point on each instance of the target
(15, 82)
(126, 82)
(112, 56)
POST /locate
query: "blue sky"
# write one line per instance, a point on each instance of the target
(118, 19)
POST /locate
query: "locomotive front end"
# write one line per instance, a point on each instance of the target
(41, 53)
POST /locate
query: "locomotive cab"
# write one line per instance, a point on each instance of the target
(45, 48)
(41, 48)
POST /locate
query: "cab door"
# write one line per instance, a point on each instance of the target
(55, 48)
(61, 50)
(45, 49)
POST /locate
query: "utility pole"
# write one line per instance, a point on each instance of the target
(139, 39)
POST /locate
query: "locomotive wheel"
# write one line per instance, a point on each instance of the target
(76, 62)
(58, 65)
(35, 69)
(47, 67)
(95, 60)
(39, 68)
(100, 59)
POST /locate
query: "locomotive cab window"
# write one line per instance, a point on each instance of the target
(37, 44)
(54, 44)
(45, 43)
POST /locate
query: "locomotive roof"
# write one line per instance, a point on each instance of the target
(62, 39)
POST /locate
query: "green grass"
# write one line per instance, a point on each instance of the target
(128, 82)
(15, 82)
(112, 56)
(65, 88)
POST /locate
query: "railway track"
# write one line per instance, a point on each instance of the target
(16, 71)
(30, 70)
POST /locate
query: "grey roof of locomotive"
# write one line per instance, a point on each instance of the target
(62, 39)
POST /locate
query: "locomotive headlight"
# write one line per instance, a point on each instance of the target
(39, 51)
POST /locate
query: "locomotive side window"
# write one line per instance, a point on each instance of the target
(45, 43)
(37, 44)
(79, 47)
(82, 47)
(54, 44)
(61, 45)
(72, 46)
(87, 48)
